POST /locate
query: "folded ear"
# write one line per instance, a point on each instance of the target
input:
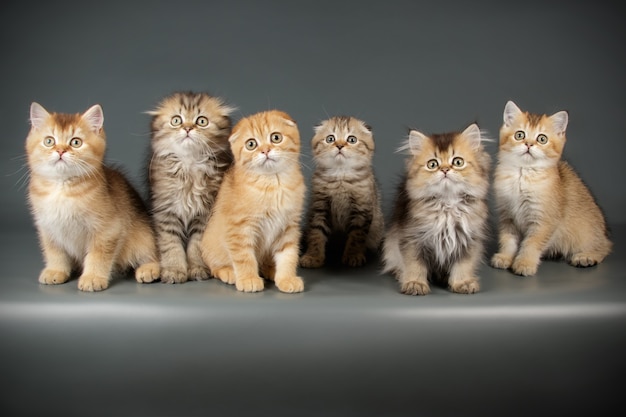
(559, 121)
(38, 115)
(511, 111)
(94, 117)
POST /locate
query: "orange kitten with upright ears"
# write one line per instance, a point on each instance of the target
(88, 216)
(545, 209)
(254, 230)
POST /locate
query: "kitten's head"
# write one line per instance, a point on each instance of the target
(448, 164)
(531, 140)
(342, 142)
(190, 124)
(266, 142)
(62, 146)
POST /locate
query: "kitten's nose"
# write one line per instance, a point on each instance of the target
(445, 170)
(61, 151)
(340, 146)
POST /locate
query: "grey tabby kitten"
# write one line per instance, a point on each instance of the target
(439, 222)
(345, 196)
(190, 153)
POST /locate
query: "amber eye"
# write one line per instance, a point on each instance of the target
(251, 144)
(49, 141)
(432, 164)
(176, 121)
(276, 137)
(330, 139)
(543, 139)
(351, 139)
(458, 162)
(520, 135)
(76, 142)
(202, 121)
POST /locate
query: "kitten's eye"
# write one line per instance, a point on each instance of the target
(543, 139)
(76, 142)
(519, 135)
(176, 121)
(276, 137)
(251, 144)
(330, 139)
(458, 161)
(432, 164)
(49, 141)
(202, 121)
(351, 139)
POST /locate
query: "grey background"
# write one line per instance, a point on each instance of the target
(350, 345)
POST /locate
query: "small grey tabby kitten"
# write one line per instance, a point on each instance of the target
(190, 153)
(344, 193)
(439, 222)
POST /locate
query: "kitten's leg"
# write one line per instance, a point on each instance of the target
(241, 247)
(99, 261)
(508, 245)
(414, 275)
(197, 269)
(531, 248)
(58, 263)
(286, 261)
(148, 269)
(354, 251)
(172, 253)
(463, 279)
(317, 232)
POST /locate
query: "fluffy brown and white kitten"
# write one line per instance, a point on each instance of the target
(255, 226)
(345, 196)
(88, 216)
(544, 207)
(190, 153)
(438, 227)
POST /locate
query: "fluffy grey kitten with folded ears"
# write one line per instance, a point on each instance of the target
(190, 153)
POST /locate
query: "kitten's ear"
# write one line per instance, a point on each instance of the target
(559, 121)
(94, 117)
(511, 111)
(38, 115)
(416, 141)
(472, 133)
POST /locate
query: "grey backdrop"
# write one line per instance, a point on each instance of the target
(435, 66)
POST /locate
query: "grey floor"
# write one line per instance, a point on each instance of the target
(350, 345)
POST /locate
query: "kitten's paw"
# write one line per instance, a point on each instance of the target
(524, 267)
(501, 261)
(415, 288)
(148, 272)
(353, 259)
(198, 273)
(253, 284)
(173, 275)
(468, 286)
(309, 261)
(92, 283)
(50, 276)
(584, 260)
(226, 275)
(290, 285)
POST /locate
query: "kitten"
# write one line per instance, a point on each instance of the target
(544, 207)
(190, 154)
(87, 215)
(345, 195)
(255, 226)
(439, 222)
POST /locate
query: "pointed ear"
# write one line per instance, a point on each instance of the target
(94, 117)
(38, 115)
(416, 141)
(472, 134)
(511, 111)
(559, 121)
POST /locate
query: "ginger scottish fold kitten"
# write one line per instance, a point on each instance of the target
(544, 207)
(439, 221)
(254, 230)
(345, 196)
(88, 216)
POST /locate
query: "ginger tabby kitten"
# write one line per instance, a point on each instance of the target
(255, 226)
(88, 216)
(545, 209)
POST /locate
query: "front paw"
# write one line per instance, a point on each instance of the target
(198, 273)
(525, 266)
(290, 285)
(501, 261)
(468, 286)
(310, 261)
(147, 272)
(91, 283)
(415, 288)
(50, 276)
(171, 275)
(253, 284)
(353, 259)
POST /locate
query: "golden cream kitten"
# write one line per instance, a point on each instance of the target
(88, 215)
(255, 226)
(544, 207)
